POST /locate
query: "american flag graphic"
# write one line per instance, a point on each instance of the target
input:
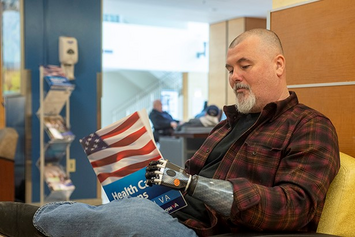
(120, 149)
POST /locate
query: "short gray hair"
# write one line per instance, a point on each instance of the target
(267, 36)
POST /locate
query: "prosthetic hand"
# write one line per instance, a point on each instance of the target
(216, 193)
(163, 172)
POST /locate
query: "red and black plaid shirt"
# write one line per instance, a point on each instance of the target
(280, 172)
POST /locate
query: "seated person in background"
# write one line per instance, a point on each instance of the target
(266, 168)
(210, 119)
(163, 122)
(203, 112)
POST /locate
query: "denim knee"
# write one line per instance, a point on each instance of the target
(126, 217)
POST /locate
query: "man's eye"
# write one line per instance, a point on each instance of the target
(244, 67)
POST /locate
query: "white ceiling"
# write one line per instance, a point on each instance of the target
(206, 11)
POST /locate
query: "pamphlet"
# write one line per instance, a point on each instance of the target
(56, 178)
(119, 154)
(59, 83)
(56, 128)
(59, 89)
(60, 185)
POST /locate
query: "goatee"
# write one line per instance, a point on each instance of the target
(244, 102)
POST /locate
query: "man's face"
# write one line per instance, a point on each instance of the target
(159, 106)
(252, 75)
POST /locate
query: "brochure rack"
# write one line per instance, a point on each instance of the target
(55, 135)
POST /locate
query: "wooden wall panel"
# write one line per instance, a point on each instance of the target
(318, 39)
(217, 74)
(252, 23)
(319, 48)
(283, 3)
(185, 96)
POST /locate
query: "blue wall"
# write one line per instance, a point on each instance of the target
(44, 22)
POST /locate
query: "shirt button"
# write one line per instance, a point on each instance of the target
(254, 153)
(207, 150)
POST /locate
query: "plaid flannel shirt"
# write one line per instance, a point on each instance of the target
(280, 171)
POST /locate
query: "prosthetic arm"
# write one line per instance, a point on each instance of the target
(216, 193)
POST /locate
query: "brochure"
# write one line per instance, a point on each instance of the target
(57, 129)
(58, 88)
(59, 83)
(56, 178)
(60, 186)
(119, 154)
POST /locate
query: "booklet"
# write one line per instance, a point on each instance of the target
(56, 128)
(119, 155)
(58, 89)
(59, 83)
(59, 184)
(56, 178)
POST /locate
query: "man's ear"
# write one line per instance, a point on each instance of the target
(280, 64)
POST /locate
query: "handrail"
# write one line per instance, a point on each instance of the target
(165, 80)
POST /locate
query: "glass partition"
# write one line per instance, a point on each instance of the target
(11, 47)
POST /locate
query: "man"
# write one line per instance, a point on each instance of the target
(163, 122)
(267, 167)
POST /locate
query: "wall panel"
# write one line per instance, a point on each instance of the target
(217, 84)
(318, 39)
(252, 23)
(319, 48)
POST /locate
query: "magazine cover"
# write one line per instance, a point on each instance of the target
(119, 154)
(56, 78)
(59, 184)
(56, 178)
(59, 83)
(57, 129)
(58, 88)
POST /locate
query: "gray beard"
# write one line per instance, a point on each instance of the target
(245, 104)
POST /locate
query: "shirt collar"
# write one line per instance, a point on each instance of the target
(272, 110)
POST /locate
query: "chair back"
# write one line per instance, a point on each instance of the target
(338, 216)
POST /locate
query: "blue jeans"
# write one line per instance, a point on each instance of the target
(125, 217)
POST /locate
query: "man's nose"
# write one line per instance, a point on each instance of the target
(235, 76)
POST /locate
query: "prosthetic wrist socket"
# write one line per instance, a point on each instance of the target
(216, 193)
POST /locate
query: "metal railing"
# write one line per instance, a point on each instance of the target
(144, 99)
